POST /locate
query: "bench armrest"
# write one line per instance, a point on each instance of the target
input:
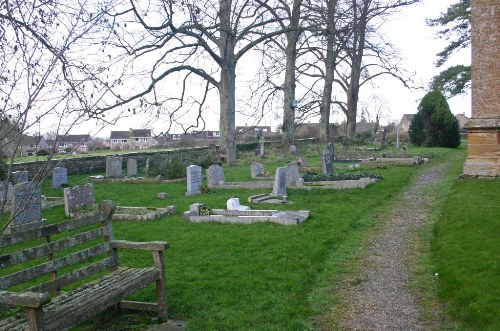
(150, 246)
(26, 299)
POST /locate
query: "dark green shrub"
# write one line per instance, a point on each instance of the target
(434, 125)
(42, 152)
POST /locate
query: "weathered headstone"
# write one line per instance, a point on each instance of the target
(292, 174)
(132, 167)
(331, 148)
(114, 166)
(279, 187)
(19, 177)
(6, 191)
(147, 167)
(327, 161)
(215, 175)
(262, 141)
(256, 169)
(293, 149)
(59, 177)
(343, 151)
(193, 180)
(77, 197)
(231, 154)
(26, 207)
(303, 161)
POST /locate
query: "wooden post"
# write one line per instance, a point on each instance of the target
(161, 294)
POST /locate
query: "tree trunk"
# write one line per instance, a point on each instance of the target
(326, 99)
(288, 128)
(227, 84)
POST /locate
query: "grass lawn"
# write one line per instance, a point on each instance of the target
(466, 250)
(249, 277)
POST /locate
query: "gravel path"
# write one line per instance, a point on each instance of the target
(379, 298)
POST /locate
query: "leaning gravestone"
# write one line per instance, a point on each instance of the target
(26, 207)
(279, 187)
(59, 177)
(327, 161)
(292, 174)
(131, 167)
(256, 169)
(215, 175)
(19, 177)
(193, 180)
(77, 197)
(114, 166)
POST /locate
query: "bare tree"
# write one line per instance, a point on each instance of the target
(42, 71)
(368, 55)
(184, 41)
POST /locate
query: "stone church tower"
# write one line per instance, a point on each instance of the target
(484, 126)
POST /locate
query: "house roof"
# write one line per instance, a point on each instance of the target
(140, 133)
(120, 135)
(72, 138)
(407, 117)
(30, 140)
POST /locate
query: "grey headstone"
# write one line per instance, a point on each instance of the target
(293, 149)
(59, 177)
(131, 167)
(256, 169)
(231, 155)
(77, 197)
(114, 166)
(147, 167)
(26, 206)
(6, 191)
(343, 151)
(292, 174)
(19, 177)
(279, 188)
(262, 141)
(327, 161)
(215, 175)
(303, 161)
(331, 148)
(193, 180)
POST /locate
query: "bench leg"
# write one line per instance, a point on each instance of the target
(35, 319)
(161, 294)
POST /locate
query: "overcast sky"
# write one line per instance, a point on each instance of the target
(418, 47)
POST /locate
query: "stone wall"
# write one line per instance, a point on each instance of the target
(484, 126)
(94, 164)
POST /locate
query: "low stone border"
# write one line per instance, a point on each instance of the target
(244, 185)
(338, 184)
(134, 180)
(397, 161)
(246, 216)
(267, 198)
(142, 213)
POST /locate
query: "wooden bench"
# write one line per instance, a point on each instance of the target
(45, 261)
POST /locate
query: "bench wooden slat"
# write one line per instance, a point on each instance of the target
(51, 266)
(98, 298)
(49, 248)
(20, 237)
(74, 276)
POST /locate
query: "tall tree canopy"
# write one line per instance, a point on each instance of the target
(454, 27)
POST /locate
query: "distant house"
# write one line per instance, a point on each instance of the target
(132, 139)
(70, 143)
(405, 122)
(30, 145)
(253, 131)
(462, 119)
